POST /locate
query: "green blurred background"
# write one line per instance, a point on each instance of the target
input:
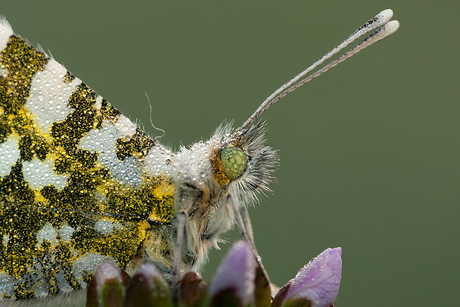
(369, 152)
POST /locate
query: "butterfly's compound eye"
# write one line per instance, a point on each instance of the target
(234, 162)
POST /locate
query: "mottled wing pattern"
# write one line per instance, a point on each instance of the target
(73, 189)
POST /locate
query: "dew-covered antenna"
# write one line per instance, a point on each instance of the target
(382, 20)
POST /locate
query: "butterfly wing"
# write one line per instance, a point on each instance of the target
(73, 190)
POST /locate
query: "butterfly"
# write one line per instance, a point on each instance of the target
(80, 184)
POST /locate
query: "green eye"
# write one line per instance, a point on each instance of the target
(234, 162)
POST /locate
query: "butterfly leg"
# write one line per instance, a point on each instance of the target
(247, 233)
(181, 219)
(248, 226)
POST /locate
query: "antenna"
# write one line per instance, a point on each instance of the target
(382, 20)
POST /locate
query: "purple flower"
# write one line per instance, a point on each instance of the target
(238, 282)
(148, 288)
(316, 284)
(192, 288)
(235, 276)
(107, 287)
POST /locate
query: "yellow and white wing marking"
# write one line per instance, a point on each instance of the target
(73, 189)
